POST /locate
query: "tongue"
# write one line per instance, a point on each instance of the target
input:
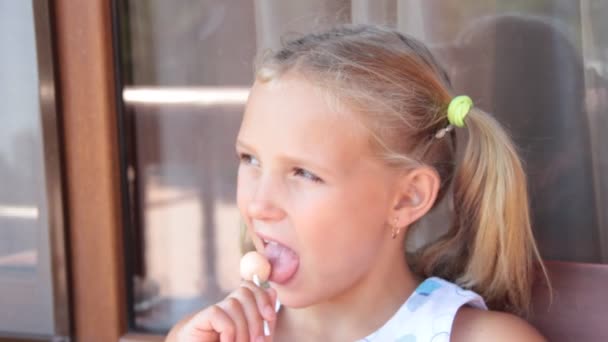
(284, 262)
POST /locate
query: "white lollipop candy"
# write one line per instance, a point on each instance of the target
(254, 264)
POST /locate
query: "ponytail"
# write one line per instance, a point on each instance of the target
(489, 246)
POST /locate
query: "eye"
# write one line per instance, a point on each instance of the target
(248, 159)
(307, 175)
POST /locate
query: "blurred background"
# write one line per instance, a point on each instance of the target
(175, 77)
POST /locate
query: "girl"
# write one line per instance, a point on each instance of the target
(348, 139)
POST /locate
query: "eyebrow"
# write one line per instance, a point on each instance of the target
(289, 159)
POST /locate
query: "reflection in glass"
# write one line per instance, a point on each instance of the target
(21, 169)
(18, 243)
(539, 66)
(33, 298)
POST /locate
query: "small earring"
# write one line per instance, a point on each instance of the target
(395, 230)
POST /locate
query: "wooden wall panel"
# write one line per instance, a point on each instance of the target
(86, 92)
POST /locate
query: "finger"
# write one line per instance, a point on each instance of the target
(273, 298)
(269, 295)
(235, 309)
(207, 326)
(272, 324)
(254, 318)
(264, 302)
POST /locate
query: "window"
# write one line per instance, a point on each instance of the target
(539, 66)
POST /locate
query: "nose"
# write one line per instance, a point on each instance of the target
(264, 204)
(264, 210)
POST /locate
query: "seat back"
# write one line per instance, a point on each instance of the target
(579, 310)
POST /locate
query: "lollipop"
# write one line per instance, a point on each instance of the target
(256, 268)
(254, 265)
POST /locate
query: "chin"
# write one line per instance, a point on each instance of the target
(302, 296)
(295, 301)
(296, 297)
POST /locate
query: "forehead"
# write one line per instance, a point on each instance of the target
(293, 113)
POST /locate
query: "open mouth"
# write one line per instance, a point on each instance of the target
(284, 261)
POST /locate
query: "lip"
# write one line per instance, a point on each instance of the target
(264, 238)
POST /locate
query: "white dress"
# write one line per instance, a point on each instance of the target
(427, 315)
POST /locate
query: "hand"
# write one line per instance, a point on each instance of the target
(238, 318)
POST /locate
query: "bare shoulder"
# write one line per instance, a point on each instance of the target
(479, 325)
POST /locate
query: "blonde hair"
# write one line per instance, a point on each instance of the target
(402, 94)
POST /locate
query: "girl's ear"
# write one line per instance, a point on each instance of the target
(417, 191)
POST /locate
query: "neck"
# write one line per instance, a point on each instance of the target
(359, 310)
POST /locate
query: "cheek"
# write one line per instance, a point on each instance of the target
(313, 212)
(334, 223)
(244, 191)
(344, 223)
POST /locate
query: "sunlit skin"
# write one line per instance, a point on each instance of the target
(309, 178)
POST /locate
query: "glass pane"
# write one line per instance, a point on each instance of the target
(26, 263)
(539, 67)
(186, 69)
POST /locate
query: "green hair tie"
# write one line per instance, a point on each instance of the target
(458, 109)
